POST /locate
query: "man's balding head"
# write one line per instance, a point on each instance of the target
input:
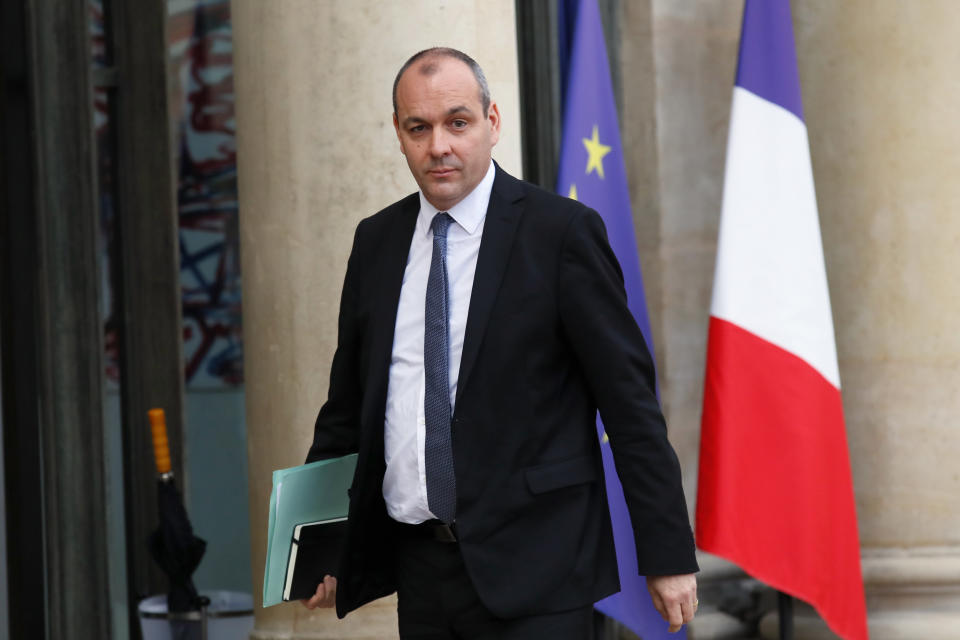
(446, 124)
(426, 62)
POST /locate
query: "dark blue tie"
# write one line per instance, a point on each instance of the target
(438, 449)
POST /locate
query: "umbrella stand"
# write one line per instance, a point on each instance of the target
(173, 545)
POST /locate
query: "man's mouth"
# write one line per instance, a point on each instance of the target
(442, 172)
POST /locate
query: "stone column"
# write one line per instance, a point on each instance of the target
(880, 90)
(678, 61)
(316, 153)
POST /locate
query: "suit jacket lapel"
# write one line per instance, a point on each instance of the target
(389, 272)
(499, 229)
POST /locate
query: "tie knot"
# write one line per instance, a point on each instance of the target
(441, 222)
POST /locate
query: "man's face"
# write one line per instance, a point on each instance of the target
(442, 130)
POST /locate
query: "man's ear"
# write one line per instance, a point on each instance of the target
(493, 118)
(396, 127)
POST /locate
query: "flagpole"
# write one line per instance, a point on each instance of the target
(785, 609)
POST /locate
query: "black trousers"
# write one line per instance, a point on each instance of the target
(437, 601)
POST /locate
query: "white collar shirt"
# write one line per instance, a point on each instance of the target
(404, 483)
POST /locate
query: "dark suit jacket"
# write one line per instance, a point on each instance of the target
(549, 340)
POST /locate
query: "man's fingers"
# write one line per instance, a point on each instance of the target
(674, 597)
(325, 596)
(658, 604)
(316, 598)
(327, 592)
(331, 585)
(674, 616)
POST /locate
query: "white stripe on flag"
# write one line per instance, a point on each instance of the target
(770, 278)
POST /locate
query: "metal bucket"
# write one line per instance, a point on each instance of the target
(229, 616)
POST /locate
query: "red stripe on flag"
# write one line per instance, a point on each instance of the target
(775, 493)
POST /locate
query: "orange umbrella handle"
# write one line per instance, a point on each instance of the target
(161, 447)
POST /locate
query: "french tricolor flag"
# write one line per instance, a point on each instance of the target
(775, 492)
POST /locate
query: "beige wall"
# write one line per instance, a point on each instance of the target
(880, 91)
(317, 152)
(881, 94)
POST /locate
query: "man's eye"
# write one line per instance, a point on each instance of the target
(417, 129)
(459, 124)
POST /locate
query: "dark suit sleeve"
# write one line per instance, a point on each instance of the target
(620, 374)
(336, 430)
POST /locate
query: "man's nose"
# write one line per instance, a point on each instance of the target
(439, 144)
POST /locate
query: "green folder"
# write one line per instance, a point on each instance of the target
(308, 493)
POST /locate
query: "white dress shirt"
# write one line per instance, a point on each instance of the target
(404, 432)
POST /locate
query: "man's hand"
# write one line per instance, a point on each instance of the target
(326, 595)
(675, 597)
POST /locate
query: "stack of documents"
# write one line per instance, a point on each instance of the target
(311, 497)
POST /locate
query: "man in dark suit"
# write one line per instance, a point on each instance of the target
(483, 323)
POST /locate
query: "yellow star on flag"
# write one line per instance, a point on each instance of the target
(573, 192)
(596, 150)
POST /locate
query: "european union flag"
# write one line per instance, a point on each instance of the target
(592, 171)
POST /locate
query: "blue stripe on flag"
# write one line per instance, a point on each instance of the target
(768, 58)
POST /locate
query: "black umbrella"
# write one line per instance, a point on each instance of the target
(172, 544)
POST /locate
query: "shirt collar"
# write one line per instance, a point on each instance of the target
(468, 213)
